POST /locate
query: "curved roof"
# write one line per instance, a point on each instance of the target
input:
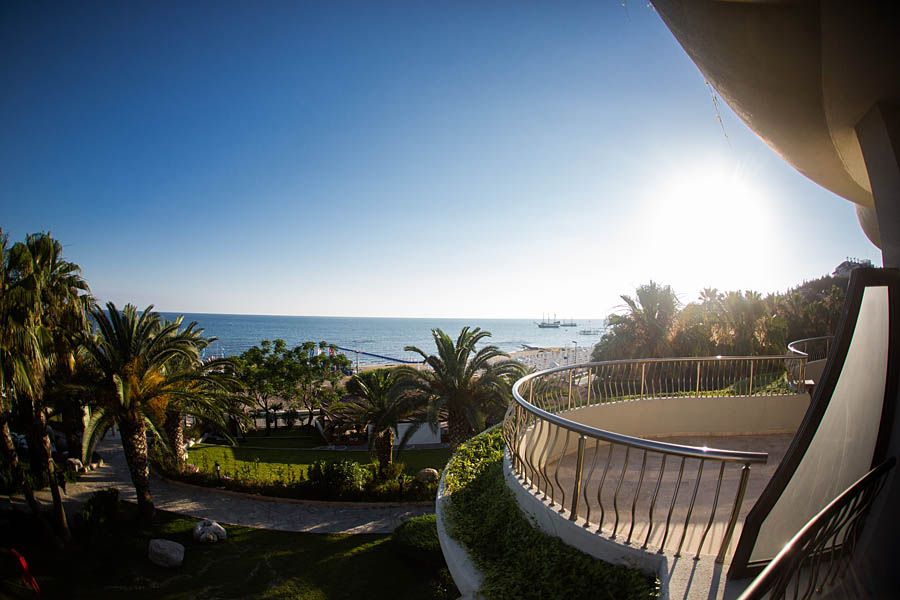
(800, 73)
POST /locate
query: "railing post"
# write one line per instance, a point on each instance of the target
(750, 393)
(517, 462)
(576, 491)
(588, 387)
(698, 378)
(571, 373)
(643, 367)
(735, 511)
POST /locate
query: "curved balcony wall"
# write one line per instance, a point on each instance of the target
(593, 457)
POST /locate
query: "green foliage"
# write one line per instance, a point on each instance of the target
(734, 323)
(469, 384)
(99, 510)
(517, 559)
(273, 373)
(417, 539)
(338, 477)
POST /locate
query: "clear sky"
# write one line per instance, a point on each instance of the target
(457, 159)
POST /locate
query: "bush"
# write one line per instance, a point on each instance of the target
(417, 539)
(514, 556)
(100, 509)
(338, 477)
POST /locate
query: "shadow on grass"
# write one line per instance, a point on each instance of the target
(251, 563)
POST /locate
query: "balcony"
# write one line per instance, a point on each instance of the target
(650, 463)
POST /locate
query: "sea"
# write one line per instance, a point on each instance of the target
(384, 338)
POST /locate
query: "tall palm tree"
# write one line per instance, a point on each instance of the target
(22, 363)
(130, 351)
(378, 398)
(63, 298)
(464, 383)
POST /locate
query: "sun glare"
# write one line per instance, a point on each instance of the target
(708, 220)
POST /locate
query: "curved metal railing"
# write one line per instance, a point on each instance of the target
(818, 556)
(814, 348)
(540, 439)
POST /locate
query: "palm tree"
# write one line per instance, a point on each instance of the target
(22, 364)
(131, 351)
(464, 383)
(644, 329)
(378, 398)
(63, 300)
(201, 389)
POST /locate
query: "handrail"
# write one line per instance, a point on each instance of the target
(636, 442)
(827, 339)
(538, 435)
(829, 536)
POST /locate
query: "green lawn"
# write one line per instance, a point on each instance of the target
(251, 563)
(296, 437)
(278, 463)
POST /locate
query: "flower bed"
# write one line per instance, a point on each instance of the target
(516, 559)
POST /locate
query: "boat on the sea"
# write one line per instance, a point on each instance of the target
(569, 323)
(546, 323)
(591, 332)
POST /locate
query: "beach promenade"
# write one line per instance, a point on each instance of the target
(227, 507)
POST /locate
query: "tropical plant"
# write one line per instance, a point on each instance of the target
(46, 299)
(204, 390)
(465, 383)
(378, 399)
(22, 363)
(131, 351)
(644, 328)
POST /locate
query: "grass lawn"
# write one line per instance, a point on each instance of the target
(277, 463)
(296, 437)
(251, 563)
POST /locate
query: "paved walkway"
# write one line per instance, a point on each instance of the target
(229, 508)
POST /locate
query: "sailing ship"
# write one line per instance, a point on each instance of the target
(546, 323)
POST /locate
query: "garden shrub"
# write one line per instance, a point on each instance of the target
(517, 559)
(417, 539)
(100, 509)
(338, 477)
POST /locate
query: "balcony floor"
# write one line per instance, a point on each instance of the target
(775, 445)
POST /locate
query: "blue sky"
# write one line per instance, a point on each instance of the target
(499, 159)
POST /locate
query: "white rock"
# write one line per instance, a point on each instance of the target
(165, 553)
(209, 531)
(427, 475)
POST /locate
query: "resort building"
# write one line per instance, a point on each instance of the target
(731, 476)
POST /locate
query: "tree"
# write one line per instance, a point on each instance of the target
(22, 363)
(131, 351)
(262, 372)
(204, 390)
(644, 329)
(378, 398)
(464, 383)
(45, 299)
(314, 375)
(274, 375)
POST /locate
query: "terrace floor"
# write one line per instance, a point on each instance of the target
(634, 517)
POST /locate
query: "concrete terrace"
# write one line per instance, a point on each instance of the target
(775, 445)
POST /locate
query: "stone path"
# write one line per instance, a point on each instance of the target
(229, 508)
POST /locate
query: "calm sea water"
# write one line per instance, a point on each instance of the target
(385, 336)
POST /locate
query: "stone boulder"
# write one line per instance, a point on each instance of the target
(427, 476)
(165, 553)
(208, 531)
